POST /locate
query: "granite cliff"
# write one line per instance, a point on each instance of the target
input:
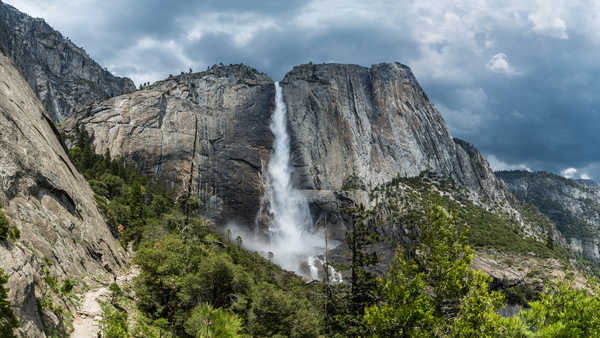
(574, 205)
(354, 127)
(63, 235)
(351, 127)
(61, 74)
(203, 134)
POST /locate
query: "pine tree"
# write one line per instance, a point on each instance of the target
(345, 307)
(363, 281)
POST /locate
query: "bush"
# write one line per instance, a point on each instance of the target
(205, 321)
(114, 322)
(8, 321)
(4, 226)
(275, 312)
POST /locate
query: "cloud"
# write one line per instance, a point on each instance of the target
(569, 172)
(499, 64)
(517, 78)
(575, 173)
(546, 23)
(242, 28)
(498, 165)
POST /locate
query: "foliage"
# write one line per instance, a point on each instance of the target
(4, 226)
(7, 232)
(363, 232)
(345, 304)
(115, 292)
(205, 321)
(8, 321)
(193, 284)
(485, 228)
(114, 322)
(433, 291)
(68, 285)
(478, 314)
(444, 258)
(128, 199)
(405, 308)
(275, 312)
(179, 274)
(563, 311)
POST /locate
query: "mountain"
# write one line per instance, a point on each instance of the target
(354, 127)
(62, 234)
(205, 134)
(351, 128)
(61, 74)
(573, 204)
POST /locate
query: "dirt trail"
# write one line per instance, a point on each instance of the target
(86, 323)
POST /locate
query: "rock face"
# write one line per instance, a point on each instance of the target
(204, 134)
(573, 204)
(351, 127)
(357, 126)
(61, 74)
(51, 204)
(354, 127)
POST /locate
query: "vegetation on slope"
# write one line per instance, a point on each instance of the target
(193, 283)
(403, 203)
(7, 232)
(8, 321)
(540, 195)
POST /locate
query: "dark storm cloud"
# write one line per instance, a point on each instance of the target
(516, 78)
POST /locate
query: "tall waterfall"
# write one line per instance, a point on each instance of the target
(291, 230)
(291, 237)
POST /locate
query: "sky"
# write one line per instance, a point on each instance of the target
(518, 79)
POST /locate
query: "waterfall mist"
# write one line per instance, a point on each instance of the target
(290, 235)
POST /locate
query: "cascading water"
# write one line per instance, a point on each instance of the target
(291, 238)
(291, 229)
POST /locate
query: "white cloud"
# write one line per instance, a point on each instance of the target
(133, 62)
(499, 64)
(242, 27)
(578, 173)
(498, 164)
(569, 172)
(545, 22)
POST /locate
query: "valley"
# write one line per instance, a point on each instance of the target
(220, 203)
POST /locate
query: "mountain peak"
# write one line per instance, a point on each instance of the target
(61, 74)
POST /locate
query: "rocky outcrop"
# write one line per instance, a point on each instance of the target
(354, 127)
(573, 204)
(357, 126)
(204, 134)
(51, 204)
(61, 74)
(351, 128)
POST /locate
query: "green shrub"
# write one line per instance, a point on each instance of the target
(205, 321)
(275, 312)
(114, 322)
(4, 226)
(8, 321)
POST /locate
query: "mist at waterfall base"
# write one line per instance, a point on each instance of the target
(291, 237)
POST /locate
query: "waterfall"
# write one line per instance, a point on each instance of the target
(291, 236)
